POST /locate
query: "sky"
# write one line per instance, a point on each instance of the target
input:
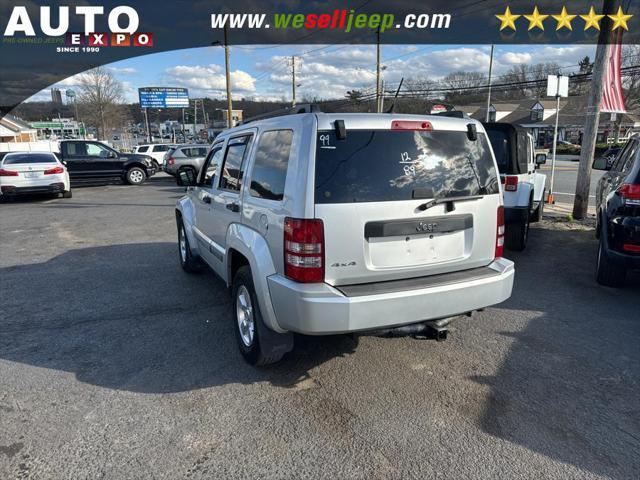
(263, 72)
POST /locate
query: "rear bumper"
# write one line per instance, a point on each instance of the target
(320, 309)
(623, 231)
(51, 188)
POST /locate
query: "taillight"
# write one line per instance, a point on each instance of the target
(511, 183)
(629, 247)
(630, 193)
(304, 250)
(500, 233)
(171, 160)
(54, 171)
(411, 125)
(7, 173)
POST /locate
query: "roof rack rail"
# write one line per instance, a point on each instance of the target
(302, 108)
(453, 113)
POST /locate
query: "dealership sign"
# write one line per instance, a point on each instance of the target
(163, 97)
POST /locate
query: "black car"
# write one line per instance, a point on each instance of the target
(94, 162)
(618, 215)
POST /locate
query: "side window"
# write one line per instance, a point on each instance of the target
(232, 168)
(622, 157)
(142, 149)
(270, 168)
(74, 149)
(630, 158)
(211, 165)
(160, 148)
(96, 150)
(523, 159)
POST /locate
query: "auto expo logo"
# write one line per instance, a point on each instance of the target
(123, 23)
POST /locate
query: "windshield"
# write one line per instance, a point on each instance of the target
(28, 158)
(385, 165)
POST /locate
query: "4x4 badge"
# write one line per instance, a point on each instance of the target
(338, 264)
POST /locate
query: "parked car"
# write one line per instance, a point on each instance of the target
(185, 156)
(155, 151)
(31, 173)
(618, 215)
(90, 161)
(524, 187)
(337, 223)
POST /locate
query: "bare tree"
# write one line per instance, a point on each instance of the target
(631, 79)
(100, 95)
(464, 85)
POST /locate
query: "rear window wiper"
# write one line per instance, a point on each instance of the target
(449, 201)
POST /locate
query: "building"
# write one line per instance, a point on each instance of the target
(56, 96)
(13, 130)
(59, 128)
(539, 116)
(222, 114)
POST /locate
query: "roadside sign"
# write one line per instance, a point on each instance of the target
(163, 97)
(557, 86)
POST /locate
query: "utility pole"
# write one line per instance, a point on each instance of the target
(146, 122)
(228, 75)
(550, 198)
(293, 80)
(195, 118)
(587, 150)
(381, 109)
(489, 83)
(378, 71)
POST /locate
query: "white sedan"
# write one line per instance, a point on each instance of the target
(33, 172)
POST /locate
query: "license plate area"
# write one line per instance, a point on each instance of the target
(31, 174)
(416, 250)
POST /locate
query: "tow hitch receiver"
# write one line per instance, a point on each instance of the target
(433, 330)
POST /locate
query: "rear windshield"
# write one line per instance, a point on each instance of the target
(29, 158)
(500, 143)
(384, 165)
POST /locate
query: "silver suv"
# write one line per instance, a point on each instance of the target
(335, 223)
(184, 156)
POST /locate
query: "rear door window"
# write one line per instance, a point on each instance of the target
(500, 143)
(384, 165)
(160, 148)
(270, 167)
(232, 168)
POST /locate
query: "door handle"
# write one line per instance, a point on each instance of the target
(206, 199)
(233, 206)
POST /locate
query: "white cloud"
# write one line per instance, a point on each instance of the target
(124, 70)
(209, 79)
(515, 58)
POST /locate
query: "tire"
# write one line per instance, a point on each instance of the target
(247, 321)
(188, 261)
(537, 215)
(136, 176)
(67, 194)
(516, 235)
(608, 273)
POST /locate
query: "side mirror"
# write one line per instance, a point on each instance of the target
(601, 163)
(541, 159)
(186, 178)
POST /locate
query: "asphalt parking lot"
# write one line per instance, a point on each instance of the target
(116, 364)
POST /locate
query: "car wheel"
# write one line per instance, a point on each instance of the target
(608, 273)
(516, 235)
(188, 262)
(248, 321)
(136, 176)
(67, 194)
(537, 215)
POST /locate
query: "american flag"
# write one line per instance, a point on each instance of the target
(612, 95)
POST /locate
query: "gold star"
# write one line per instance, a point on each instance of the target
(564, 19)
(507, 20)
(535, 19)
(592, 20)
(620, 19)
